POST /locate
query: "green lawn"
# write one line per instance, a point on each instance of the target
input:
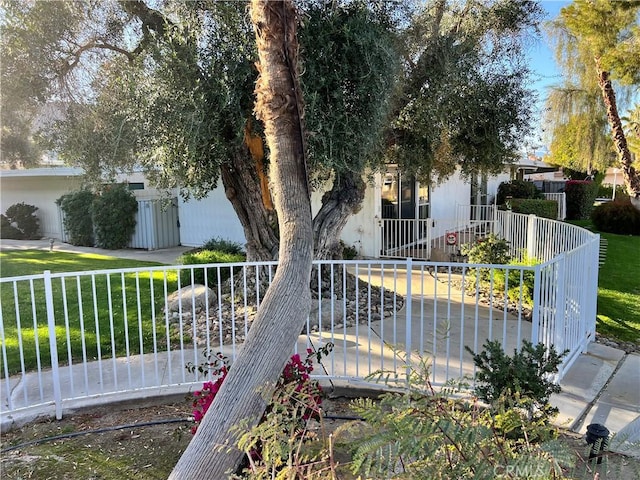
(619, 287)
(91, 322)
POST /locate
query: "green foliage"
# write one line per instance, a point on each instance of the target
(580, 197)
(539, 207)
(214, 274)
(425, 434)
(223, 245)
(114, 217)
(520, 282)
(516, 189)
(606, 191)
(76, 207)
(618, 217)
(491, 250)
(349, 252)
(524, 377)
(20, 222)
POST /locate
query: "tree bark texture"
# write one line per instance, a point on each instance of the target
(285, 307)
(243, 188)
(629, 173)
(344, 199)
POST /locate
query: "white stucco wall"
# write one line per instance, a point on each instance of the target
(41, 192)
(213, 216)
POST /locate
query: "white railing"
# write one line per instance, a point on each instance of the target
(102, 335)
(561, 199)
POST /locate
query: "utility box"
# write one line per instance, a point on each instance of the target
(156, 225)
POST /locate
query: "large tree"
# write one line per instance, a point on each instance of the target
(601, 37)
(170, 88)
(282, 312)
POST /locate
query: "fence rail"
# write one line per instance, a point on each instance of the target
(94, 335)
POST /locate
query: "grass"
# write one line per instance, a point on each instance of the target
(94, 328)
(619, 287)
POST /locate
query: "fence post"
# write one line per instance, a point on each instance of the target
(53, 344)
(535, 317)
(407, 306)
(560, 308)
(531, 235)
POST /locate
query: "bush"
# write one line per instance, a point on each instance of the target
(516, 189)
(539, 207)
(520, 286)
(523, 376)
(21, 222)
(77, 217)
(349, 252)
(580, 196)
(606, 191)
(7, 230)
(619, 217)
(223, 245)
(114, 217)
(207, 257)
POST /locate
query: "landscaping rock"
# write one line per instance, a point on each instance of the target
(186, 297)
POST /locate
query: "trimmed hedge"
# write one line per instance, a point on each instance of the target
(207, 257)
(580, 196)
(617, 217)
(77, 217)
(540, 208)
(516, 189)
(114, 217)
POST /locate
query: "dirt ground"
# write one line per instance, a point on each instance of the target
(93, 446)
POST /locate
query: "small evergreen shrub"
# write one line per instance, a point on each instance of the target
(516, 189)
(539, 207)
(521, 282)
(20, 222)
(490, 250)
(523, 376)
(223, 245)
(114, 217)
(213, 274)
(77, 217)
(349, 252)
(619, 217)
(580, 196)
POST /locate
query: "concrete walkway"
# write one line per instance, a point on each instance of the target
(602, 386)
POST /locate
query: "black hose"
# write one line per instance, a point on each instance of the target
(100, 430)
(132, 425)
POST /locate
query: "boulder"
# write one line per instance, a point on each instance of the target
(190, 294)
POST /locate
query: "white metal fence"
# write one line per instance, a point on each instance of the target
(561, 199)
(94, 336)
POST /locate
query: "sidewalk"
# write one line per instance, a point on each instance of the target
(167, 256)
(602, 386)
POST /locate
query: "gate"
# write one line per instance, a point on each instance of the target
(405, 238)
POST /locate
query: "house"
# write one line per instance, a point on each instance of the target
(392, 205)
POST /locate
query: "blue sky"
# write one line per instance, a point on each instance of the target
(542, 58)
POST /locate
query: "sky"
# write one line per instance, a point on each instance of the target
(542, 58)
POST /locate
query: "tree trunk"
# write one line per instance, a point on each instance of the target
(285, 307)
(344, 199)
(629, 173)
(243, 188)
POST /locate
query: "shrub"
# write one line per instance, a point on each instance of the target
(114, 217)
(490, 250)
(213, 274)
(7, 230)
(349, 252)
(606, 191)
(223, 245)
(516, 189)
(520, 286)
(77, 217)
(619, 217)
(21, 222)
(539, 207)
(580, 196)
(523, 376)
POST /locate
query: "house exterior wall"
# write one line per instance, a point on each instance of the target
(41, 192)
(213, 216)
